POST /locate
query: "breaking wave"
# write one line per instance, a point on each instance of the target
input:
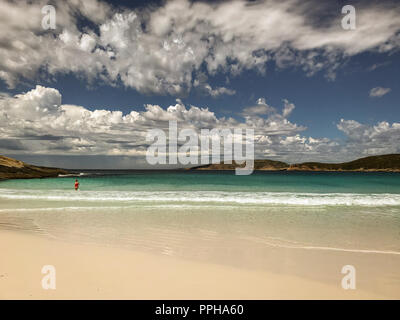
(203, 197)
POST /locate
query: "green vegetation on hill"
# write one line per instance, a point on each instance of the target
(258, 165)
(389, 162)
(15, 169)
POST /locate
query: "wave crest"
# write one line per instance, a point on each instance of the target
(221, 197)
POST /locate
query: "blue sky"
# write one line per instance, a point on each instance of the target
(320, 102)
(334, 85)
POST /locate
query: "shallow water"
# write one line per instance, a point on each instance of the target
(324, 211)
(218, 217)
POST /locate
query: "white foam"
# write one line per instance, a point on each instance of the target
(281, 243)
(73, 175)
(203, 197)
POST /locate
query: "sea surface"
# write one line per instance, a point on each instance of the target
(216, 216)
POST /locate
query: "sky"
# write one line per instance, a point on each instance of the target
(84, 95)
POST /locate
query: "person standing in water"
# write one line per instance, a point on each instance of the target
(76, 185)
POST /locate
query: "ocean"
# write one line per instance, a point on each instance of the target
(216, 216)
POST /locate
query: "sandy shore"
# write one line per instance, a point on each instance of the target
(93, 272)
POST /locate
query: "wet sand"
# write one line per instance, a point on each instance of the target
(100, 272)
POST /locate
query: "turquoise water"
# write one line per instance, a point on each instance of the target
(209, 215)
(220, 188)
(219, 181)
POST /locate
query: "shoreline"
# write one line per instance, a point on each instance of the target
(72, 174)
(390, 163)
(302, 170)
(99, 272)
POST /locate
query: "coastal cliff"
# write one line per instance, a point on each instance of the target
(382, 163)
(15, 169)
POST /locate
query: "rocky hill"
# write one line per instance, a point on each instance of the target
(385, 163)
(15, 169)
(270, 165)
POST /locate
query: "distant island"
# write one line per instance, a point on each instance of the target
(15, 169)
(382, 163)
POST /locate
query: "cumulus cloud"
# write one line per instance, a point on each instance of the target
(37, 123)
(201, 84)
(165, 49)
(288, 108)
(259, 109)
(218, 91)
(378, 92)
(26, 49)
(362, 139)
(40, 123)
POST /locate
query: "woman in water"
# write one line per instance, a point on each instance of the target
(76, 185)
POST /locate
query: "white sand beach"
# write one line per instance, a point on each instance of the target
(96, 272)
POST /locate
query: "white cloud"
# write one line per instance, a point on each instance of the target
(219, 91)
(201, 84)
(364, 139)
(259, 109)
(379, 92)
(42, 124)
(36, 122)
(163, 49)
(287, 110)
